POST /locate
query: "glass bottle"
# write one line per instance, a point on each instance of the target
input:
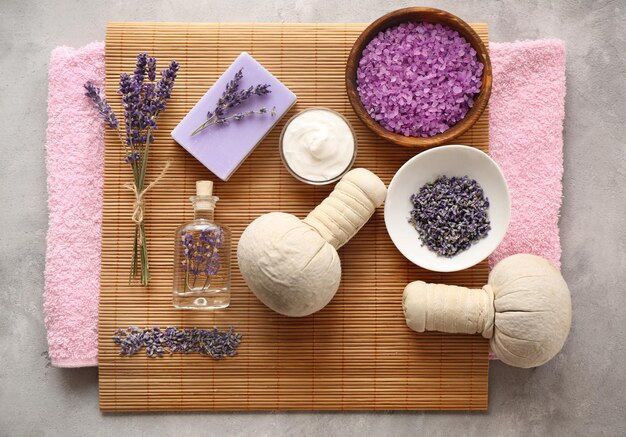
(202, 256)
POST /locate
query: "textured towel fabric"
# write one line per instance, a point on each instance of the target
(526, 107)
(75, 161)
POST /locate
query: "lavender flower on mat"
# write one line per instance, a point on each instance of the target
(450, 214)
(166, 84)
(232, 97)
(214, 343)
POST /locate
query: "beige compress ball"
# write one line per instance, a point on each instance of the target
(279, 265)
(292, 265)
(525, 309)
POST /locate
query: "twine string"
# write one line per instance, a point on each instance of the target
(138, 205)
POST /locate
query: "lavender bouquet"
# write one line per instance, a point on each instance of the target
(143, 99)
(232, 97)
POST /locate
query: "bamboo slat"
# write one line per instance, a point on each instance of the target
(357, 353)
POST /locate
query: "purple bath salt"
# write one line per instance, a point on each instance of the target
(418, 79)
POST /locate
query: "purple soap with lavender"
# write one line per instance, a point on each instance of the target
(222, 147)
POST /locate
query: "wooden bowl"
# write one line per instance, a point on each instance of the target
(416, 15)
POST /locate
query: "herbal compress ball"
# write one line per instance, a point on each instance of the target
(292, 265)
(525, 309)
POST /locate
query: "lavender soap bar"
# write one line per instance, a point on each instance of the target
(223, 147)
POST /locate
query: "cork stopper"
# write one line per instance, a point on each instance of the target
(204, 188)
(204, 199)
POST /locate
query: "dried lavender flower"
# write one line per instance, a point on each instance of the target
(127, 86)
(229, 95)
(151, 69)
(242, 115)
(132, 157)
(103, 106)
(239, 97)
(166, 84)
(140, 69)
(232, 97)
(450, 214)
(214, 343)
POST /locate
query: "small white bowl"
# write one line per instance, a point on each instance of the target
(428, 166)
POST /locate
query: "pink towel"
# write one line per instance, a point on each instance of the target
(527, 109)
(75, 162)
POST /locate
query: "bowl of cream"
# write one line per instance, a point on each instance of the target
(318, 146)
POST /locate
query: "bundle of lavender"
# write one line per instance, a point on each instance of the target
(143, 99)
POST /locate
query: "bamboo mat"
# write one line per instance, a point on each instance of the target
(357, 353)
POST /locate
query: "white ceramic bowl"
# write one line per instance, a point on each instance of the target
(428, 166)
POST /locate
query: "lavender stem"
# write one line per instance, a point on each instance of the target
(204, 125)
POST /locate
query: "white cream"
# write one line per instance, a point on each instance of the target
(318, 145)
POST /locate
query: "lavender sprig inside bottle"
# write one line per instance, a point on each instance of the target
(233, 97)
(450, 214)
(201, 257)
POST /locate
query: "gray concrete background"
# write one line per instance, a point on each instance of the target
(581, 392)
